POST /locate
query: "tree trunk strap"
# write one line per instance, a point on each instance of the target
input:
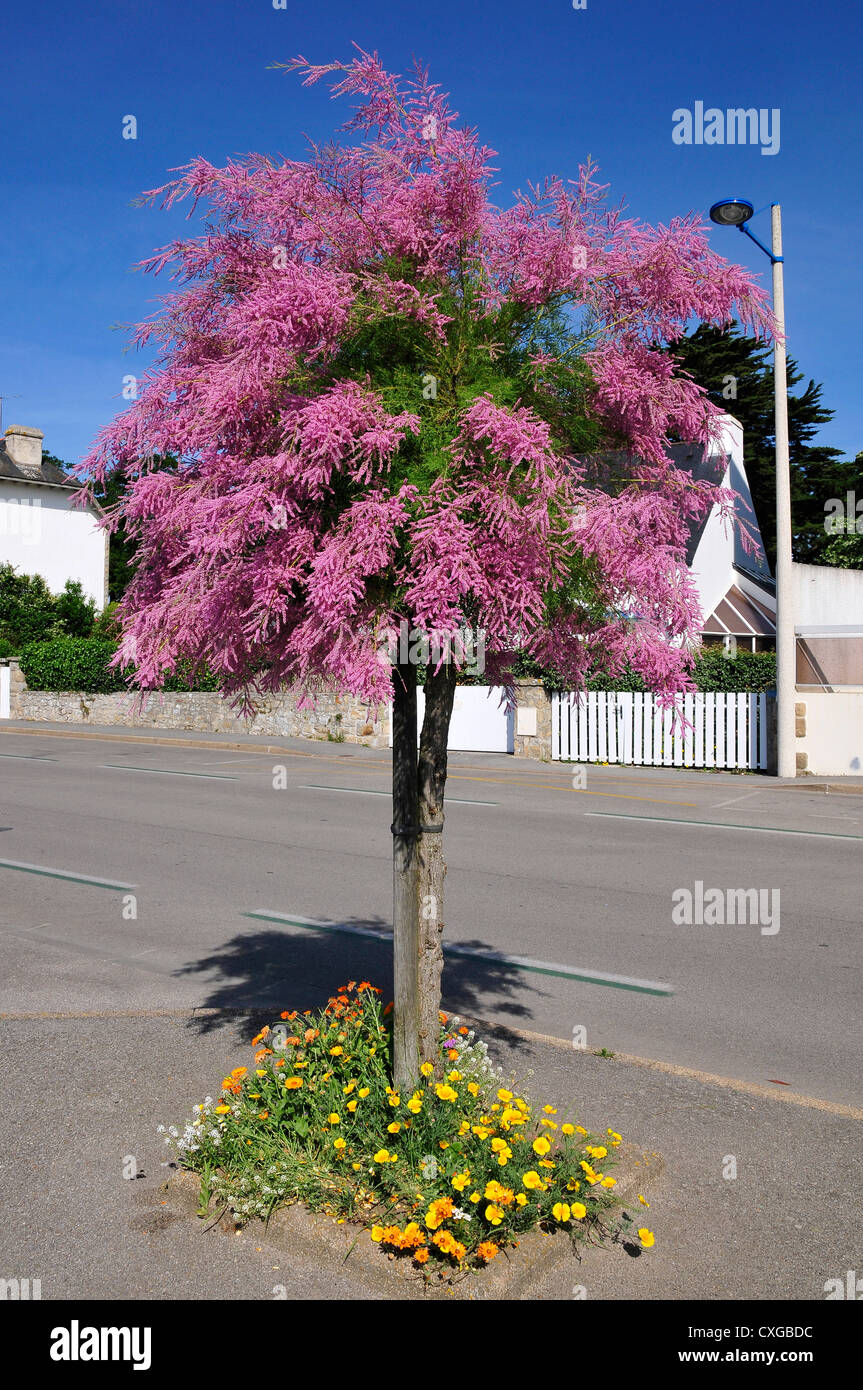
(416, 829)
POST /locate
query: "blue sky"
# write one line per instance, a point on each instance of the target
(546, 85)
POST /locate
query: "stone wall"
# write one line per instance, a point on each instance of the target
(338, 718)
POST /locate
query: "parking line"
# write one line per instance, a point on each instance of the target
(67, 874)
(721, 825)
(535, 967)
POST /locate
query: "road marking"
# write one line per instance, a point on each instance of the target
(535, 967)
(44, 872)
(31, 757)
(169, 772)
(721, 825)
(363, 791)
(717, 805)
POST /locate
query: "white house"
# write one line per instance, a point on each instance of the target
(41, 531)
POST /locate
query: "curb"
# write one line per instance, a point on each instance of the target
(345, 1247)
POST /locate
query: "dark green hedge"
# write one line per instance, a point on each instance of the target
(82, 663)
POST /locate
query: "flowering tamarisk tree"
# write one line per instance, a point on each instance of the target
(377, 385)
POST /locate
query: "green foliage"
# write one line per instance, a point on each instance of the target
(29, 612)
(746, 671)
(818, 473)
(83, 663)
(71, 663)
(447, 1174)
(75, 613)
(7, 648)
(712, 670)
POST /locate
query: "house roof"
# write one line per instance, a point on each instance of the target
(741, 615)
(45, 473)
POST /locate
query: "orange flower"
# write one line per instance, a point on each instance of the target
(310, 1034)
(421, 1255)
(293, 1083)
(487, 1250)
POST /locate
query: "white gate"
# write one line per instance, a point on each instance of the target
(480, 723)
(706, 729)
(4, 692)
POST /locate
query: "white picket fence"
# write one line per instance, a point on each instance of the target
(712, 729)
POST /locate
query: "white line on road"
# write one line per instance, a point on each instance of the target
(363, 791)
(66, 874)
(169, 772)
(721, 825)
(734, 800)
(536, 967)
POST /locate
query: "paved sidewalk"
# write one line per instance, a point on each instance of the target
(83, 1097)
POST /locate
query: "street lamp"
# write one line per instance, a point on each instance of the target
(736, 212)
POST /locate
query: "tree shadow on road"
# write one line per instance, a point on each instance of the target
(258, 973)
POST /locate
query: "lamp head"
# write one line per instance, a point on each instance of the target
(731, 212)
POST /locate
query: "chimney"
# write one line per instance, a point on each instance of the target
(24, 446)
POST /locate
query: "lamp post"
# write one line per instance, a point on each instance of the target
(736, 212)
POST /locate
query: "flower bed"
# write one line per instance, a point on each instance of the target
(446, 1176)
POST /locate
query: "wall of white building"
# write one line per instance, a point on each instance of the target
(42, 533)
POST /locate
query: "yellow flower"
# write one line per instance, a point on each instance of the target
(493, 1214)
(532, 1180)
(480, 1132)
(336, 1051)
(352, 1105)
(363, 1092)
(393, 1128)
(475, 1197)
(339, 1143)
(521, 1199)
(560, 1211)
(454, 1076)
(415, 1104)
(615, 1138)
(579, 1129)
(461, 1180)
(541, 1146)
(346, 1090)
(444, 1143)
(578, 1211)
(596, 1151)
(546, 1163)
(549, 1110)
(444, 1092)
(494, 1192)
(567, 1129)
(608, 1182)
(646, 1237)
(293, 1083)
(382, 1156)
(376, 1232)
(426, 1068)
(504, 1095)
(260, 1073)
(334, 1119)
(473, 1088)
(642, 1201)
(549, 1123)
(222, 1110)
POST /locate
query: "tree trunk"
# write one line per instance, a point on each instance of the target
(418, 866)
(431, 783)
(406, 916)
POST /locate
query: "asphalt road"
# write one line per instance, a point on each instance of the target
(579, 880)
